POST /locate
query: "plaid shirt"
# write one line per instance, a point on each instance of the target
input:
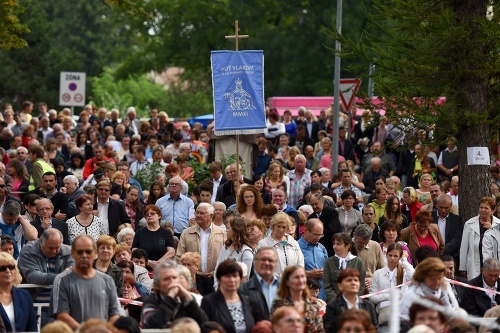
(339, 190)
(298, 186)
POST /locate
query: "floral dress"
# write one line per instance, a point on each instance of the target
(312, 316)
(269, 189)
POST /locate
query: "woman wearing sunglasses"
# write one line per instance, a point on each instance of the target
(16, 310)
(158, 242)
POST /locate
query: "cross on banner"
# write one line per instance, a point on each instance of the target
(236, 37)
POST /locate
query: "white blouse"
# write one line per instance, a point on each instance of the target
(383, 278)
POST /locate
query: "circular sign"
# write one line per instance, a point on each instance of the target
(72, 86)
(78, 98)
(66, 97)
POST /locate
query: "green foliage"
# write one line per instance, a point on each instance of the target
(426, 50)
(431, 48)
(10, 27)
(182, 33)
(143, 93)
(226, 160)
(146, 176)
(65, 35)
(201, 171)
(139, 91)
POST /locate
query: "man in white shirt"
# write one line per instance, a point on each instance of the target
(217, 178)
(205, 238)
(454, 190)
(477, 302)
(44, 129)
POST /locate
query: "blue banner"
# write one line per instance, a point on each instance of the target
(238, 88)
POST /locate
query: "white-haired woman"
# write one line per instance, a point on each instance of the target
(306, 209)
(289, 252)
(126, 235)
(219, 209)
(186, 281)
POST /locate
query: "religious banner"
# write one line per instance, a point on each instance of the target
(238, 88)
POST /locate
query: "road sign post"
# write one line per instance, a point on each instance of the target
(72, 89)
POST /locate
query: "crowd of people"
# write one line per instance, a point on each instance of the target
(293, 247)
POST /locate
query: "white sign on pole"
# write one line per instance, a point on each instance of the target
(72, 89)
(478, 156)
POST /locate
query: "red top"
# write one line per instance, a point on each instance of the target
(26, 141)
(414, 208)
(427, 241)
(90, 165)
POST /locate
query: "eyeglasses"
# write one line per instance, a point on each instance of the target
(87, 251)
(104, 189)
(7, 267)
(174, 184)
(201, 213)
(150, 213)
(318, 235)
(2, 185)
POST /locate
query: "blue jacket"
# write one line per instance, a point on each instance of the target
(24, 312)
(141, 289)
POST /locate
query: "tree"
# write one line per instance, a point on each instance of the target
(431, 48)
(10, 27)
(144, 94)
(182, 33)
(64, 36)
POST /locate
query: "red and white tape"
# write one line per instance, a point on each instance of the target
(129, 301)
(458, 283)
(385, 290)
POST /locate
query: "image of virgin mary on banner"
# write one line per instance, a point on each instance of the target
(238, 88)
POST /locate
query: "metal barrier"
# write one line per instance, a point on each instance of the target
(37, 305)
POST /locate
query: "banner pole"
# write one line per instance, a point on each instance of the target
(236, 39)
(238, 176)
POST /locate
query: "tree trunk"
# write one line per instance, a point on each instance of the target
(474, 180)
